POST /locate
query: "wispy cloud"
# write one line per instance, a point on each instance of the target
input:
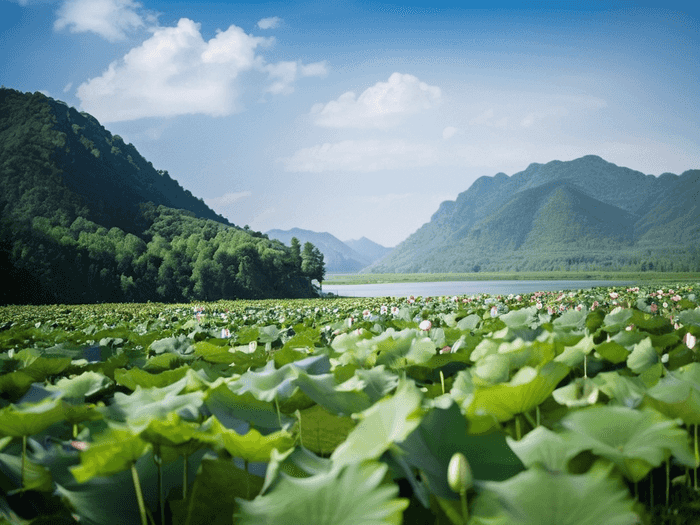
(227, 199)
(111, 19)
(360, 155)
(269, 23)
(284, 74)
(379, 106)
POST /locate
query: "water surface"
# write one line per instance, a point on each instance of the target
(435, 289)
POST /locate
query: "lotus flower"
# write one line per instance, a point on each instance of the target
(425, 325)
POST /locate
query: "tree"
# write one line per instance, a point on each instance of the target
(312, 264)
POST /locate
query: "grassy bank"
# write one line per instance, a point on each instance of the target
(645, 277)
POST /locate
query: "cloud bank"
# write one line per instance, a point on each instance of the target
(380, 106)
(111, 19)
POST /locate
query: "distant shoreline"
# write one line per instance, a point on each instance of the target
(378, 278)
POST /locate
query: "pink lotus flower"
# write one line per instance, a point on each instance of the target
(653, 307)
(394, 310)
(690, 340)
(383, 309)
(425, 325)
(614, 295)
(365, 313)
(411, 299)
(445, 350)
(676, 298)
(538, 305)
(79, 445)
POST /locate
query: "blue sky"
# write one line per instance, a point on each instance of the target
(359, 118)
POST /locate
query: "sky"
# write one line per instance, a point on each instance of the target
(360, 118)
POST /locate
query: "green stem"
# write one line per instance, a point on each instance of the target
(75, 430)
(668, 480)
(697, 459)
(518, 433)
(139, 494)
(465, 510)
(184, 478)
(537, 413)
(24, 455)
(585, 365)
(159, 465)
(279, 416)
(442, 381)
(532, 422)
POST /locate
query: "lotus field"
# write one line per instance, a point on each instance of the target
(548, 408)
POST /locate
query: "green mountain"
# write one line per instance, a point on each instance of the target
(582, 214)
(85, 218)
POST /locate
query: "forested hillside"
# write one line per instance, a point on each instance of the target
(85, 218)
(583, 214)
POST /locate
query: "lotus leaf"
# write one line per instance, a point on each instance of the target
(623, 390)
(322, 431)
(29, 419)
(386, 422)
(678, 394)
(136, 377)
(331, 498)
(526, 390)
(543, 447)
(114, 451)
(538, 497)
(580, 392)
(85, 385)
(636, 441)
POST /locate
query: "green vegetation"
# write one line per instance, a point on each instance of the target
(545, 408)
(86, 219)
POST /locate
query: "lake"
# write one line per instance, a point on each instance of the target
(449, 288)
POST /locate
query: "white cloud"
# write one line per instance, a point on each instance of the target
(111, 19)
(269, 23)
(283, 74)
(174, 72)
(227, 199)
(379, 106)
(449, 132)
(360, 155)
(67, 87)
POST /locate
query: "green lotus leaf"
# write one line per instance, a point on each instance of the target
(269, 334)
(136, 377)
(690, 317)
(629, 338)
(522, 318)
(574, 355)
(612, 351)
(212, 500)
(386, 422)
(538, 497)
(494, 368)
(36, 476)
(29, 419)
(113, 451)
(269, 383)
(642, 357)
(571, 320)
(79, 387)
(444, 432)
(15, 383)
(162, 362)
(214, 353)
(622, 390)
(352, 495)
(580, 392)
(145, 404)
(527, 389)
(180, 345)
(174, 433)
(469, 323)
(322, 431)
(678, 394)
(297, 462)
(43, 367)
(252, 446)
(636, 441)
(616, 321)
(543, 447)
(399, 348)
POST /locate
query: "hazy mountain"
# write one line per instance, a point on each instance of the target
(370, 250)
(85, 218)
(581, 214)
(339, 257)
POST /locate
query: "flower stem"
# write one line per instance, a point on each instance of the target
(518, 433)
(139, 494)
(184, 477)
(442, 381)
(24, 456)
(465, 510)
(668, 480)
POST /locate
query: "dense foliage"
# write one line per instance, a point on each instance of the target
(548, 408)
(86, 219)
(580, 215)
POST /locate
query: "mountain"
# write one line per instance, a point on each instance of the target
(581, 214)
(85, 218)
(369, 250)
(339, 257)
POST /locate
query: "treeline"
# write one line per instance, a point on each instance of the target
(179, 258)
(84, 218)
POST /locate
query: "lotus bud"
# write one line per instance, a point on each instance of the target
(459, 474)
